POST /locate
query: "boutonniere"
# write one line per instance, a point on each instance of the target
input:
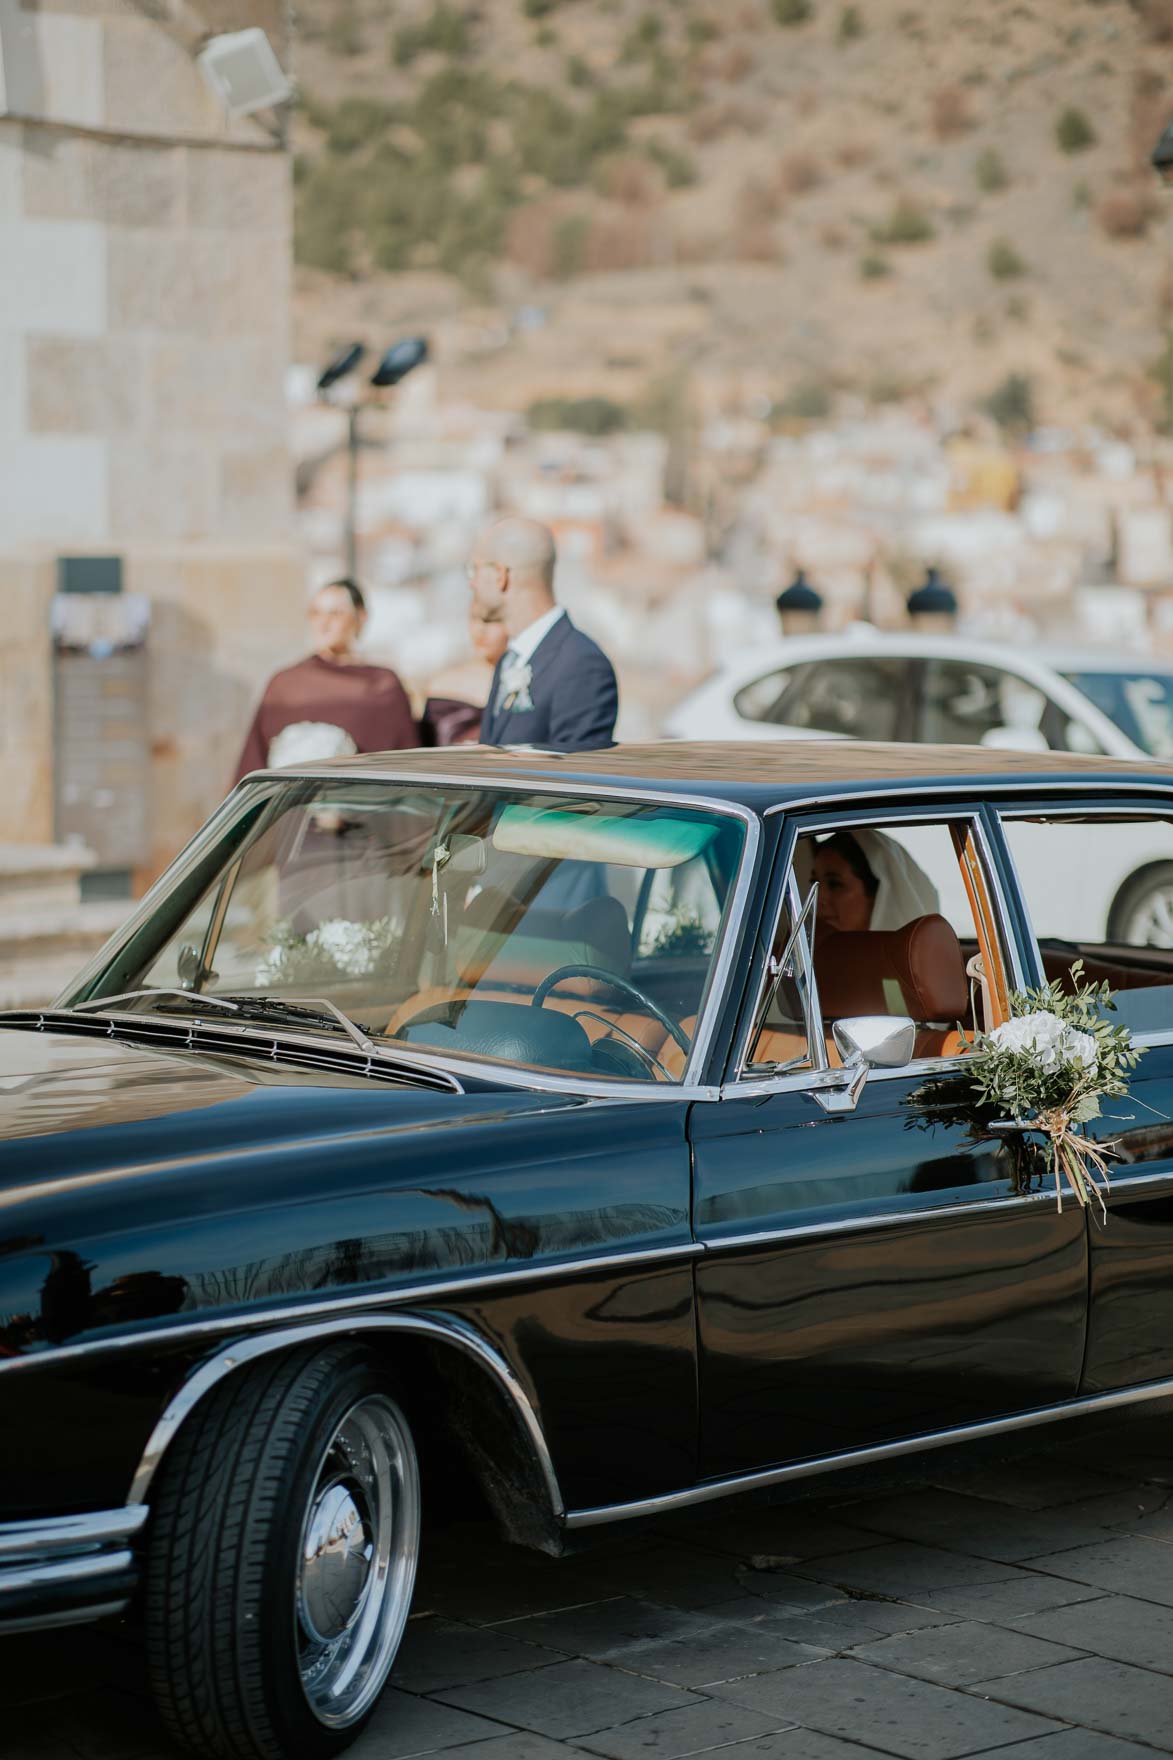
(514, 690)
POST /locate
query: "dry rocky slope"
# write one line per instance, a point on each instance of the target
(803, 200)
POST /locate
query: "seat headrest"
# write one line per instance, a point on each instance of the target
(918, 970)
(508, 944)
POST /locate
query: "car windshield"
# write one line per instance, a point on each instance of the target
(1140, 703)
(559, 933)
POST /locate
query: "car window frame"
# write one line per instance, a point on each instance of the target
(990, 846)
(1068, 809)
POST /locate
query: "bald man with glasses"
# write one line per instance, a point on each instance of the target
(553, 686)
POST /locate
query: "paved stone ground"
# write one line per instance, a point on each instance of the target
(1021, 1607)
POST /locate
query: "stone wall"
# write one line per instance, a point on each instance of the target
(144, 335)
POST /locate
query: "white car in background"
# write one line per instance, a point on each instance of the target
(943, 690)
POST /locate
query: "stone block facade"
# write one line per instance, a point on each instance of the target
(145, 264)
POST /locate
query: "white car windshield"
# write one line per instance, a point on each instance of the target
(561, 933)
(1140, 703)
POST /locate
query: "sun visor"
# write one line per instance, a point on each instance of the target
(629, 842)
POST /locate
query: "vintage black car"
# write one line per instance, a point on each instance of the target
(604, 1119)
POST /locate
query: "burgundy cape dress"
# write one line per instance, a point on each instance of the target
(366, 703)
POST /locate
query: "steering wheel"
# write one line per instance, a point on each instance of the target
(647, 1006)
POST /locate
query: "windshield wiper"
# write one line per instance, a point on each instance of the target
(97, 1003)
(315, 1008)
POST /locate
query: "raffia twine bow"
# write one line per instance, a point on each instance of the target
(1082, 1163)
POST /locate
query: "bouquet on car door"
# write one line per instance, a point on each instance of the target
(1050, 1066)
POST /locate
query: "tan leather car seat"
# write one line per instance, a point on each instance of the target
(918, 970)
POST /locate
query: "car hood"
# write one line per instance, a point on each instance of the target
(73, 1107)
(141, 1187)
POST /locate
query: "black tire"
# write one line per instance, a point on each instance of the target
(230, 1508)
(1148, 882)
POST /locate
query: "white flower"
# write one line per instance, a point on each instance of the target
(347, 944)
(302, 742)
(1051, 1042)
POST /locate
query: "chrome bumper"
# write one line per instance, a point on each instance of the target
(73, 1568)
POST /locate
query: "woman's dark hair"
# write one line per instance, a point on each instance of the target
(353, 592)
(845, 845)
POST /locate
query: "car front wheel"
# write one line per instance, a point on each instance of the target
(284, 1540)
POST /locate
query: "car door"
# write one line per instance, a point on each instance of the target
(1114, 912)
(870, 1273)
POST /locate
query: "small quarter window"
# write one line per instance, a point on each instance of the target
(1100, 889)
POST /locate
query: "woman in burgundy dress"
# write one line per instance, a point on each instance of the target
(331, 703)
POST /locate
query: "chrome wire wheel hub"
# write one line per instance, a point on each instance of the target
(356, 1562)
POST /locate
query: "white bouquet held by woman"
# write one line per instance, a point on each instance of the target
(1050, 1066)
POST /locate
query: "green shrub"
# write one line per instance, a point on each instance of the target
(792, 11)
(357, 122)
(578, 72)
(990, 171)
(678, 167)
(568, 245)
(343, 35)
(1073, 132)
(809, 401)
(699, 29)
(445, 31)
(583, 415)
(1012, 402)
(1003, 261)
(538, 8)
(850, 25)
(642, 38)
(874, 267)
(326, 213)
(906, 224)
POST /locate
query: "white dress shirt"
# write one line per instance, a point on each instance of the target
(523, 645)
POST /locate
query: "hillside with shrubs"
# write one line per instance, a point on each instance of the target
(590, 202)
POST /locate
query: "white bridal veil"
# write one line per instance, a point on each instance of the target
(904, 890)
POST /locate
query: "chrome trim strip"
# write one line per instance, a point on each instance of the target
(50, 1574)
(214, 1325)
(73, 1616)
(772, 1237)
(448, 1330)
(688, 1088)
(713, 1489)
(975, 787)
(1123, 1182)
(1157, 1036)
(69, 1533)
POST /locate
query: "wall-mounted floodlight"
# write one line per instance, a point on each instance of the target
(243, 70)
(344, 362)
(400, 359)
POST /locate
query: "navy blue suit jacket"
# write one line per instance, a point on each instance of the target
(574, 694)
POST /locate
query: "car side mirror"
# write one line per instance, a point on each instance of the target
(866, 1042)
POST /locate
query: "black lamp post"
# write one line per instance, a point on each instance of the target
(799, 606)
(934, 602)
(395, 364)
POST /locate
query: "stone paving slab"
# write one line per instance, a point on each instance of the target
(1113, 1625)
(852, 1625)
(911, 1718)
(1110, 1696)
(963, 1655)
